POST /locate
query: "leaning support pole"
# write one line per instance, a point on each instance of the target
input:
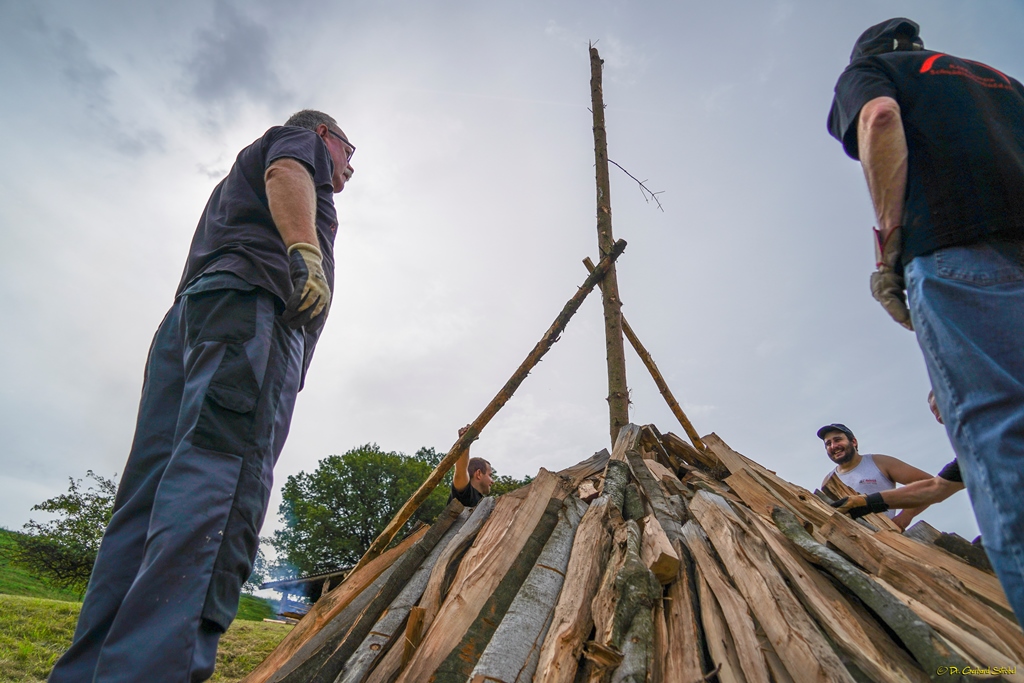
(641, 351)
(618, 395)
(545, 343)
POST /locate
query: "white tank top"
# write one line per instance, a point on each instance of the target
(866, 478)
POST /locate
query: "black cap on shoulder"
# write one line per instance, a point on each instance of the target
(835, 427)
(888, 36)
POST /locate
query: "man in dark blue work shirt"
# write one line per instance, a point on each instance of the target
(220, 386)
(941, 140)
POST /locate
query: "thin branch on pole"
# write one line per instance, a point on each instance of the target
(641, 351)
(618, 394)
(550, 337)
(645, 191)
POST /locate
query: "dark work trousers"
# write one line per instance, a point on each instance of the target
(217, 400)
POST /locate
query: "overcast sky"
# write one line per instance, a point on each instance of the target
(463, 229)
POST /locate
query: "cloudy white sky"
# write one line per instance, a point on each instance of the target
(463, 229)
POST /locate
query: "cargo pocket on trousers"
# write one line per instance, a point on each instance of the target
(227, 418)
(223, 315)
(238, 549)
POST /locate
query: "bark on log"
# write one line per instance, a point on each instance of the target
(593, 465)
(399, 655)
(866, 646)
(795, 637)
(973, 646)
(655, 496)
(616, 477)
(931, 585)
(497, 546)
(949, 598)
(327, 663)
(607, 597)
(459, 663)
(518, 639)
(732, 608)
(930, 650)
(572, 619)
(650, 438)
(632, 505)
(970, 553)
(618, 395)
(982, 584)
(923, 531)
(327, 608)
(318, 647)
(633, 624)
(676, 446)
(550, 337)
(382, 635)
(447, 565)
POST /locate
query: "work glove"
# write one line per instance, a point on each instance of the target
(858, 506)
(311, 295)
(887, 286)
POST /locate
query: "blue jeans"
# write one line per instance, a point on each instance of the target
(967, 306)
(217, 400)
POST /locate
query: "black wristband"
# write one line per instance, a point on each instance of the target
(876, 503)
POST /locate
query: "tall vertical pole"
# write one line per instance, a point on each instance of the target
(618, 396)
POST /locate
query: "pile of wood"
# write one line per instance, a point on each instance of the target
(659, 562)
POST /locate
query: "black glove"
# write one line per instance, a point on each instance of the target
(311, 295)
(858, 506)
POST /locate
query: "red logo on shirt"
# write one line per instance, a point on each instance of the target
(954, 69)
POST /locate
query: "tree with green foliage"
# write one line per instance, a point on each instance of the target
(333, 514)
(63, 550)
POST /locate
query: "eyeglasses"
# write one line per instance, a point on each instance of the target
(348, 157)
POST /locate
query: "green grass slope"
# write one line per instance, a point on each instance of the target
(34, 632)
(17, 581)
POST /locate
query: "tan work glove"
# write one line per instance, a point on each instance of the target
(887, 286)
(311, 295)
(858, 506)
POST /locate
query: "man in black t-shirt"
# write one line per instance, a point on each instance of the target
(471, 481)
(220, 385)
(941, 141)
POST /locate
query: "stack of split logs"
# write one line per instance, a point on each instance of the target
(659, 562)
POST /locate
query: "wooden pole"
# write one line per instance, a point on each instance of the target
(641, 351)
(550, 337)
(618, 395)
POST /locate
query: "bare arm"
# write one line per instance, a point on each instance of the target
(922, 493)
(883, 155)
(460, 480)
(899, 471)
(292, 200)
(902, 473)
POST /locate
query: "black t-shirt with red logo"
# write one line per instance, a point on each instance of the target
(964, 123)
(236, 232)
